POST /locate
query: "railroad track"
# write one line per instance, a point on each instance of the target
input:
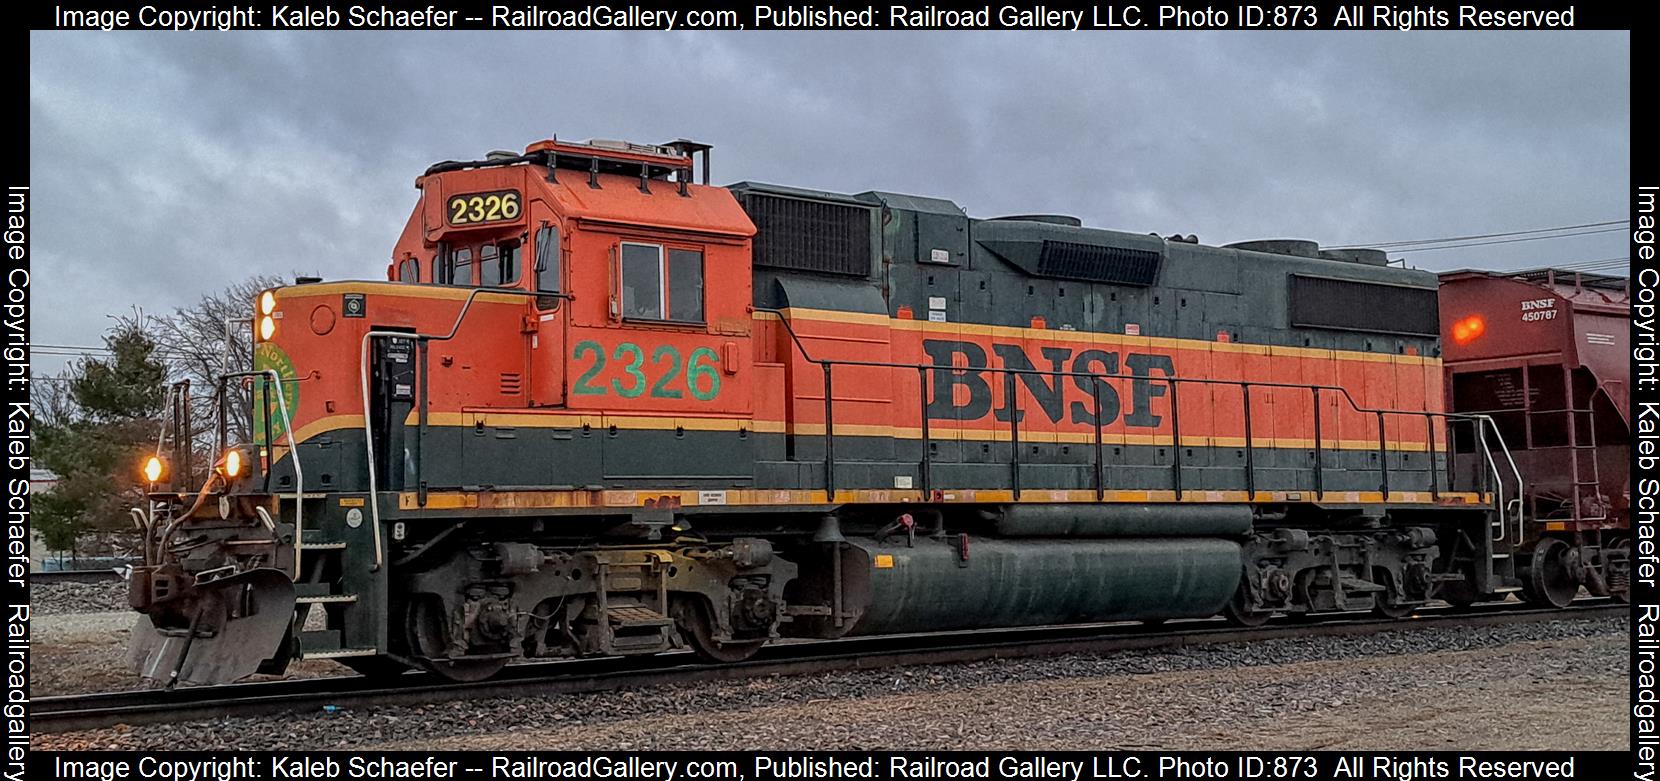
(77, 712)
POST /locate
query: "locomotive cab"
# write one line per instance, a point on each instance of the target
(546, 298)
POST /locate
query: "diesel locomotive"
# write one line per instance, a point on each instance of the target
(599, 406)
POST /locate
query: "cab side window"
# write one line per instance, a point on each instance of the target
(661, 283)
(685, 285)
(547, 260)
(642, 281)
(409, 271)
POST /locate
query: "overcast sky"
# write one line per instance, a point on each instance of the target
(170, 165)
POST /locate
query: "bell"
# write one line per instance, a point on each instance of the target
(829, 530)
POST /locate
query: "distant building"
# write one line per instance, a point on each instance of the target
(40, 481)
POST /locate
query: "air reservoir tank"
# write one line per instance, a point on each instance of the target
(952, 582)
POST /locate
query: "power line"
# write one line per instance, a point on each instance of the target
(1591, 264)
(1410, 242)
(1408, 250)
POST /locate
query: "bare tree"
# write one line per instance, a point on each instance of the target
(210, 338)
(50, 401)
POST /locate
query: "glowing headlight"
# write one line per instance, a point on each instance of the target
(154, 468)
(233, 462)
(267, 328)
(267, 302)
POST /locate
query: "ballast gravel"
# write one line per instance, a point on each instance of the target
(68, 597)
(1559, 684)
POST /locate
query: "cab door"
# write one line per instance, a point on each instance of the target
(548, 318)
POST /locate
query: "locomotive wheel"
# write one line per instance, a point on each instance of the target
(1382, 607)
(1388, 604)
(1458, 593)
(1549, 580)
(428, 636)
(698, 629)
(1239, 615)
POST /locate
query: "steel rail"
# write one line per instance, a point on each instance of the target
(267, 698)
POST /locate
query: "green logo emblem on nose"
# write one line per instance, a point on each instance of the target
(267, 411)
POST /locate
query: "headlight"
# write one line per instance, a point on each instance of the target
(267, 302)
(154, 469)
(232, 463)
(267, 328)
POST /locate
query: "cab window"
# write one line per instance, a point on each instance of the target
(461, 266)
(454, 266)
(685, 292)
(547, 260)
(408, 270)
(443, 269)
(642, 281)
(498, 264)
(661, 283)
(494, 264)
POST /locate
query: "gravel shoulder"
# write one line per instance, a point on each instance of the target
(72, 653)
(85, 652)
(1505, 687)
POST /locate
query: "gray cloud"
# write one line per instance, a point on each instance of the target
(166, 166)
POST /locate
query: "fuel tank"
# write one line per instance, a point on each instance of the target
(976, 583)
(1125, 520)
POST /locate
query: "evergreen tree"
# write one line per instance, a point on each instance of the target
(96, 450)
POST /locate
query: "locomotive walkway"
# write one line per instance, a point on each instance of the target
(78, 712)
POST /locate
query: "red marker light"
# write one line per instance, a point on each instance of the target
(1468, 329)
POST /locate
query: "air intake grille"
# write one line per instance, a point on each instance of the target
(803, 235)
(512, 383)
(1321, 302)
(1093, 262)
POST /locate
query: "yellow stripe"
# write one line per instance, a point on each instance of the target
(327, 424)
(1092, 337)
(529, 500)
(400, 289)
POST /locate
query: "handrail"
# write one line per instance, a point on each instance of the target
(1245, 385)
(363, 376)
(293, 446)
(1521, 485)
(1355, 406)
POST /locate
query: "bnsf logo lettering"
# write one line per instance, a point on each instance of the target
(1049, 391)
(1538, 309)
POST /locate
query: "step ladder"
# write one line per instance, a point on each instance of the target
(327, 642)
(632, 600)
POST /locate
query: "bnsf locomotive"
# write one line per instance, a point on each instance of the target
(600, 408)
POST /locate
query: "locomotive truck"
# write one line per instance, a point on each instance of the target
(599, 406)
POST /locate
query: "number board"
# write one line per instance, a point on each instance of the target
(676, 376)
(475, 208)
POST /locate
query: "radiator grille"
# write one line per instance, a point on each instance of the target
(1344, 304)
(1096, 263)
(804, 235)
(512, 383)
